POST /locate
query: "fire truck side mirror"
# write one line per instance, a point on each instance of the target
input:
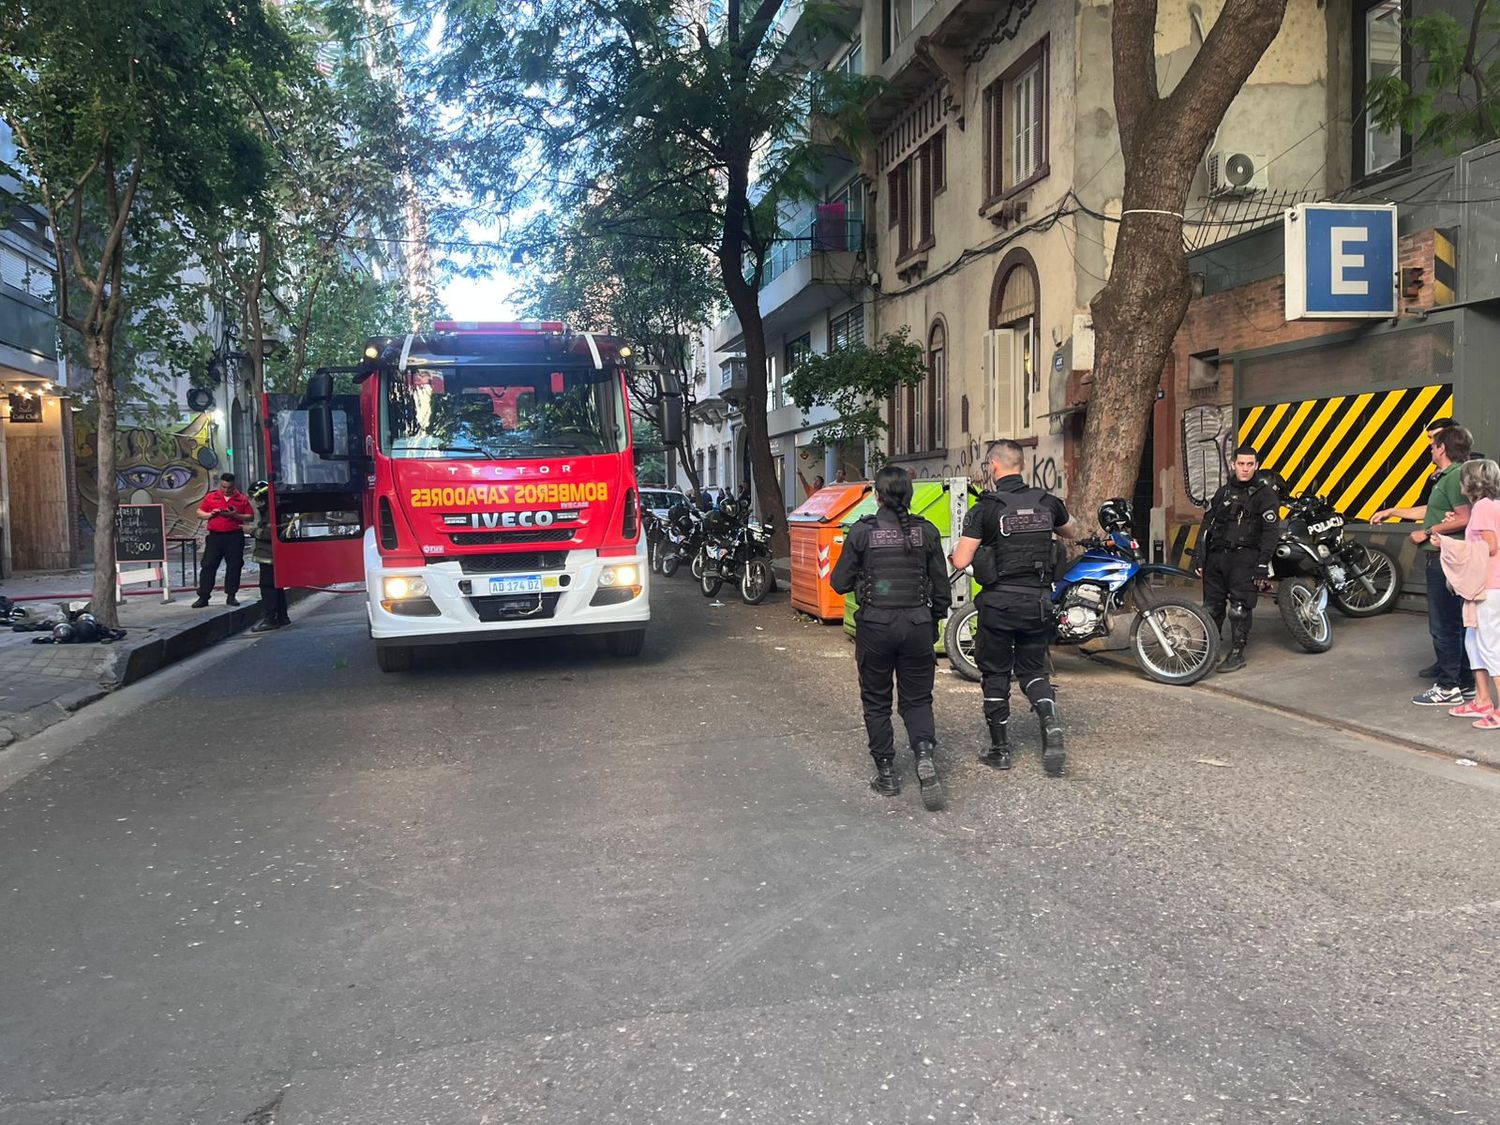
(320, 428)
(671, 419)
(319, 387)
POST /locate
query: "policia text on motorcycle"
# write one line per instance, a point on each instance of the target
(1239, 536)
(1008, 537)
(895, 561)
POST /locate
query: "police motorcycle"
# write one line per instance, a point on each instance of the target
(682, 540)
(1173, 638)
(1303, 571)
(654, 531)
(1363, 581)
(736, 549)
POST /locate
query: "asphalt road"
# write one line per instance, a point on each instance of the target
(533, 883)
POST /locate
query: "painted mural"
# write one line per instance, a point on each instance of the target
(172, 467)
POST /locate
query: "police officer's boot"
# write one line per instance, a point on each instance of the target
(1053, 755)
(997, 756)
(884, 781)
(1239, 634)
(927, 775)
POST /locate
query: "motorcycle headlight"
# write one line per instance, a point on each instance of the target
(1324, 552)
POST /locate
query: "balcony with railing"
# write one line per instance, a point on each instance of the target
(808, 270)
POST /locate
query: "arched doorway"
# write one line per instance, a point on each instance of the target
(1015, 305)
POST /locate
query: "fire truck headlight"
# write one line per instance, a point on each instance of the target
(619, 576)
(399, 587)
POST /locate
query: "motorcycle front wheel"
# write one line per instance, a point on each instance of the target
(1304, 609)
(755, 582)
(709, 582)
(700, 564)
(1383, 574)
(670, 562)
(1174, 641)
(959, 637)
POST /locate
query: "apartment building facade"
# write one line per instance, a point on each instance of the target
(994, 195)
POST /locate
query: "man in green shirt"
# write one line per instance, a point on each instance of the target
(1445, 512)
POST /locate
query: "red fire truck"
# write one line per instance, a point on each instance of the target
(481, 484)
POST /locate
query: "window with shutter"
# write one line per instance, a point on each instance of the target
(1015, 125)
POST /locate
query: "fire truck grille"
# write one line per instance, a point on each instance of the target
(490, 538)
(515, 607)
(501, 562)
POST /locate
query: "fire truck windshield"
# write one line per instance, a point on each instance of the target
(502, 413)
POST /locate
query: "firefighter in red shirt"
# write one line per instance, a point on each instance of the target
(227, 511)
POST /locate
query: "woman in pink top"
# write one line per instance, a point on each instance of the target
(1480, 483)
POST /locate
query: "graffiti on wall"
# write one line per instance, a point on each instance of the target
(1207, 445)
(968, 461)
(172, 467)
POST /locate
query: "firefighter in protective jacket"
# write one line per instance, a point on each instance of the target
(895, 561)
(1239, 535)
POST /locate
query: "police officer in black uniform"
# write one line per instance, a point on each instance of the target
(896, 563)
(1007, 536)
(1239, 535)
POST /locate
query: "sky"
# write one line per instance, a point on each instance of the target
(489, 298)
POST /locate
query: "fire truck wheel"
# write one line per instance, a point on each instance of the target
(394, 658)
(626, 644)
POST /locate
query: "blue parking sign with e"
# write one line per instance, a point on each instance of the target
(1341, 262)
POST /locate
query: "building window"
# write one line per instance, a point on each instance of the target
(1010, 349)
(851, 64)
(713, 465)
(1378, 29)
(911, 187)
(1015, 126)
(796, 351)
(847, 330)
(937, 390)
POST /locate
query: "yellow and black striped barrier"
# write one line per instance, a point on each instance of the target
(1444, 267)
(1364, 452)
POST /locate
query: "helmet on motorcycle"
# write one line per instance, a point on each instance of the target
(1114, 514)
(1274, 479)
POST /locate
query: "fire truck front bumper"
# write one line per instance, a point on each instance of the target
(484, 597)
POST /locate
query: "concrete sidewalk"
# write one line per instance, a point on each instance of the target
(41, 684)
(1363, 684)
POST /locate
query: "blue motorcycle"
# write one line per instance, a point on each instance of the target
(1173, 638)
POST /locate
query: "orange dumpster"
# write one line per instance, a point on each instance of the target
(817, 535)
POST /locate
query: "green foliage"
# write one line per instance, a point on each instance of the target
(1455, 107)
(855, 383)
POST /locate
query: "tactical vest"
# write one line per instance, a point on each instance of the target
(895, 571)
(1019, 547)
(1231, 523)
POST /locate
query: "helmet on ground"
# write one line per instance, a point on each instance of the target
(1114, 514)
(85, 629)
(62, 633)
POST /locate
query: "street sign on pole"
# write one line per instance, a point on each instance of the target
(1341, 262)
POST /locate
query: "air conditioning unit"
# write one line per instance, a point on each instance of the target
(1236, 173)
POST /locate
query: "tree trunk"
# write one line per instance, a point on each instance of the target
(1140, 308)
(258, 355)
(99, 345)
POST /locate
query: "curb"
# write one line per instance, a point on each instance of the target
(129, 664)
(1483, 757)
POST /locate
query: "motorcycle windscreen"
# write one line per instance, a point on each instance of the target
(318, 504)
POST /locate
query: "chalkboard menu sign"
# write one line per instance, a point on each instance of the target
(25, 409)
(141, 533)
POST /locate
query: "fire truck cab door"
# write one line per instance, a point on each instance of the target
(317, 505)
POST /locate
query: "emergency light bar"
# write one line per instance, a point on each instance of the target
(496, 327)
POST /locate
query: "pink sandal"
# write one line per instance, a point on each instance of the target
(1469, 710)
(1489, 722)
